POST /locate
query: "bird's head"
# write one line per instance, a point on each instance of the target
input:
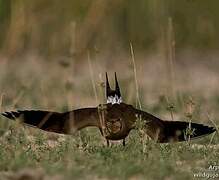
(113, 96)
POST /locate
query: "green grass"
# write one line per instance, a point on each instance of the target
(86, 157)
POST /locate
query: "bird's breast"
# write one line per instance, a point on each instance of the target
(116, 130)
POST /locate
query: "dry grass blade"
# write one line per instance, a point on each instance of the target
(101, 111)
(212, 137)
(170, 107)
(171, 54)
(189, 114)
(17, 99)
(44, 120)
(1, 101)
(92, 77)
(209, 118)
(138, 102)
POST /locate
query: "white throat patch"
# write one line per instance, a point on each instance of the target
(114, 99)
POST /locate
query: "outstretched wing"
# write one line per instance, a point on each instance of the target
(63, 123)
(173, 131)
(182, 131)
(45, 120)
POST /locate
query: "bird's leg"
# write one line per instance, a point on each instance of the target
(107, 143)
(101, 131)
(123, 142)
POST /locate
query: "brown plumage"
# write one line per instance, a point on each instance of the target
(120, 119)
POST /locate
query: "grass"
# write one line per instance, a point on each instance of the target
(41, 85)
(91, 159)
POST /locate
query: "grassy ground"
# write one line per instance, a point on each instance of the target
(39, 85)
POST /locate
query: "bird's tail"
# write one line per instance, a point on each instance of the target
(182, 131)
(45, 120)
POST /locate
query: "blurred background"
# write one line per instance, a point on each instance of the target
(52, 28)
(51, 48)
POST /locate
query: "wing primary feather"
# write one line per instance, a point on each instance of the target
(179, 130)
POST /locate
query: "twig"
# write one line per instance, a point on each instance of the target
(170, 107)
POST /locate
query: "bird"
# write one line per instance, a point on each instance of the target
(120, 120)
(112, 97)
(115, 120)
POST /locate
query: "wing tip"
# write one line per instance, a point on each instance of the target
(211, 129)
(12, 114)
(205, 131)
